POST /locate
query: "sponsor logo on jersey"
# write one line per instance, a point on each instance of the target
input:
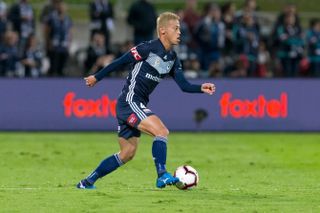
(135, 53)
(132, 119)
(154, 78)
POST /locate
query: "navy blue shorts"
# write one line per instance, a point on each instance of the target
(129, 116)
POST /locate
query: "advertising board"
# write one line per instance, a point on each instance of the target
(237, 105)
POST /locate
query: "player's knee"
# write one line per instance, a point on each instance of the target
(128, 154)
(163, 132)
(131, 155)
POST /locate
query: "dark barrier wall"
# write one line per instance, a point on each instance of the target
(249, 105)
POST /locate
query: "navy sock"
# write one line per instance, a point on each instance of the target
(107, 166)
(159, 153)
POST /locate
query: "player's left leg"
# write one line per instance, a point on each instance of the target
(154, 126)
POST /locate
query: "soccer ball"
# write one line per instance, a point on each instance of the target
(188, 177)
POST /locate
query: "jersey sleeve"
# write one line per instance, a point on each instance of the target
(124, 59)
(178, 76)
(141, 51)
(135, 54)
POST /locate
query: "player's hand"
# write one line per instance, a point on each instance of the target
(90, 80)
(208, 88)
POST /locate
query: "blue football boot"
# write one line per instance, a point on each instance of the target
(166, 179)
(84, 184)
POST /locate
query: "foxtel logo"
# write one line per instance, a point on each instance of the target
(257, 108)
(87, 108)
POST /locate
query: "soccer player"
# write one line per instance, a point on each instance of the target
(152, 61)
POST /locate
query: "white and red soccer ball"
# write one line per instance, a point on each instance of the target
(188, 177)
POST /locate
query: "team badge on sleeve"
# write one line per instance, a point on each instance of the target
(135, 53)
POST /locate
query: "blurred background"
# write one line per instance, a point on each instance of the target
(240, 38)
(48, 47)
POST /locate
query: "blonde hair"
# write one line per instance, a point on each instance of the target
(164, 18)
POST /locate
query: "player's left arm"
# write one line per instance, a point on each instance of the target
(186, 86)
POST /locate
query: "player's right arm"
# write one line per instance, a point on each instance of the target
(135, 54)
(124, 59)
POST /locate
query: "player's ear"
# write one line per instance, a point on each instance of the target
(162, 30)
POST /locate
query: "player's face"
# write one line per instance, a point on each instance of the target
(173, 32)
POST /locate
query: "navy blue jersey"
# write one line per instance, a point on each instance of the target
(151, 63)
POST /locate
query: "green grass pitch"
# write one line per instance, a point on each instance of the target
(239, 172)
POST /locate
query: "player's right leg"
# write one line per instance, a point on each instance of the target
(128, 141)
(128, 149)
